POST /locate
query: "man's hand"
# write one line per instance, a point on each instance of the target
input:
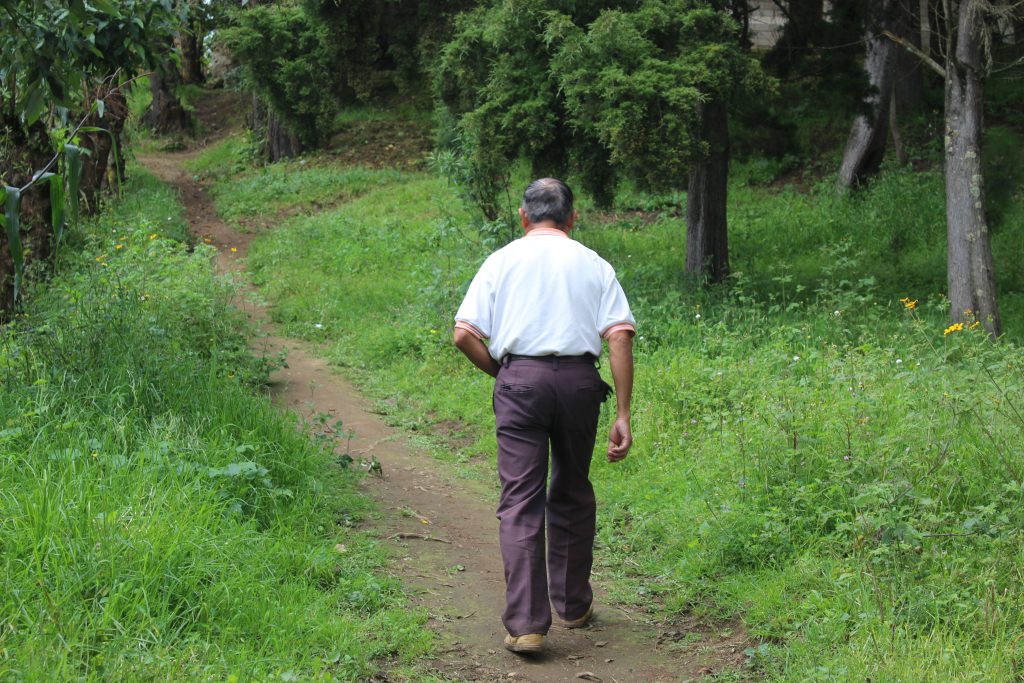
(620, 355)
(620, 438)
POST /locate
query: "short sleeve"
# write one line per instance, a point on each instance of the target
(614, 314)
(477, 306)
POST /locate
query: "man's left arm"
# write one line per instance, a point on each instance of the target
(476, 351)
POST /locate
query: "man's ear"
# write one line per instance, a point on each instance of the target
(523, 220)
(572, 219)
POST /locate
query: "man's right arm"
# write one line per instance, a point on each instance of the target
(620, 356)
(475, 350)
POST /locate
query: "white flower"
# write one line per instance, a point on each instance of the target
(836, 313)
(318, 326)
(899, 361)
(697, 317)
(796, 358)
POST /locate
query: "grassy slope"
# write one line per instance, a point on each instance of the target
(811, 453)
(158, 519)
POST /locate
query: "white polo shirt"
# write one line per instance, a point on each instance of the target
(544, 294)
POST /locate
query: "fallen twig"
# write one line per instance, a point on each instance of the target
(402, 535)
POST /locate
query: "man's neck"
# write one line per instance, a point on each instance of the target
(545, 225)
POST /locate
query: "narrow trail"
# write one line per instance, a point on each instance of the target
(443, 529)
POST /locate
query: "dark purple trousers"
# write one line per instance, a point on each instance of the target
(537, 403)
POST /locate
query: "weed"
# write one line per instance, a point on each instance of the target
(160, 520)
(812, 452)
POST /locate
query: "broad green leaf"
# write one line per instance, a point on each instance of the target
(34, 105)
(57, 210)
(115, 159)
(105, 6)
(73, 171)
(12, 220)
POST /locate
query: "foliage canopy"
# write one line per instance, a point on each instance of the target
(602, 87)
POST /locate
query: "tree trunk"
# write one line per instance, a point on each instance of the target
(970, 271)
(166, 113)
(94, 167)
(707, 244)
(191, 49)
(281, 142)
(865, 147)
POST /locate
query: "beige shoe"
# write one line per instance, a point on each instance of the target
(582, 621)
(531, 642)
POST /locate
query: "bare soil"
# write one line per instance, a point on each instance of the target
(442, 526)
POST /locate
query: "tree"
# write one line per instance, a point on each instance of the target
(166, 113)
(640, 91)
(61, 63)
(383, 48)
(865, 147)
(971, 28)
(970, 272)
(501, 100)
(804, 27)
(654, 85)
(895, 90)
(287, 63)
(189, 42)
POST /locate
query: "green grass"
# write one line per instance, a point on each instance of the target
(233, 154)
(811, 454)
(159, 520)
(265, 193)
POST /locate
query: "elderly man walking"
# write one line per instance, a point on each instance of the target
(544, 302)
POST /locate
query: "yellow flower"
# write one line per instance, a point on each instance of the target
(955, 327)
(974, 324)
(153, 236)
(100, 258)
(234, 250)
(910, 303)
(119, 246)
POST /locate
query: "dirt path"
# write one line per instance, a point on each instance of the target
(443, 528)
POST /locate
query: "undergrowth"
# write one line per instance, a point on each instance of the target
(816, 449)
(159, 520)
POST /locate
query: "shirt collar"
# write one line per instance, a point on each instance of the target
(537, 232)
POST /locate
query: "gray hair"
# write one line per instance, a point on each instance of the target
(548, 199)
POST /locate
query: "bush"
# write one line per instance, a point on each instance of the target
(287, 60)
(159, 519)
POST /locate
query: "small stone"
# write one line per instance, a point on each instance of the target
(601, 643)
(608, 661)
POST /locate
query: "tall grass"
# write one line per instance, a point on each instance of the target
(814, 454)
(159, 519)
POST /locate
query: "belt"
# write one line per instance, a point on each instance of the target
(585, 358)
